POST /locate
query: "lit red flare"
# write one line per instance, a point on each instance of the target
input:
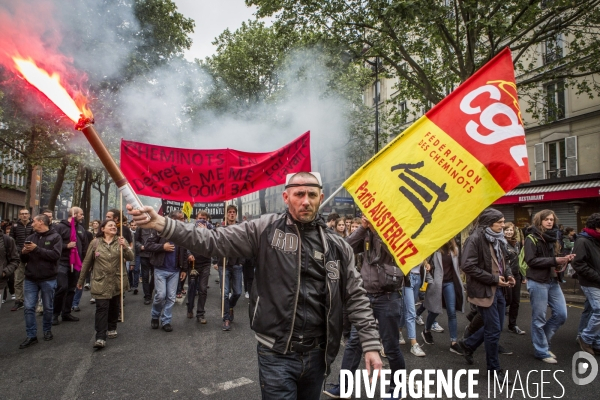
(51, 86)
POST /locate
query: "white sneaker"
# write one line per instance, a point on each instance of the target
(552, 354)
(92, 301)
(437, 328)
(419, 320)
(111, 334)
(416, 350)
(99, 344)
(550, 360)
(247, 295)
(401, 338)
(12, 297)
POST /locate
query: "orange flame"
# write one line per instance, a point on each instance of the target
(50, 86)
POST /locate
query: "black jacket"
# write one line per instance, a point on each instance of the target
(42, 262)
(540, 258)
(141, 239)
(512, 258)
(63, 228)
(19, 232)
(476, 262)
(275, 241)
(587, 260)
(155, 246)
(9, 258)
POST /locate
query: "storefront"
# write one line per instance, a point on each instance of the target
(573, 199)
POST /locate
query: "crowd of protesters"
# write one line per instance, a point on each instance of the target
(48, 265)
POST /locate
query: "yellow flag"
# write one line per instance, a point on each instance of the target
(430, 182)
(187, 209)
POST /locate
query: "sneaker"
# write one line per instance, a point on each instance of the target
(549, 360)
(18, 306)
(427, 337)
(419, 320)
(111, 334)
(147, 301)
(333, 392)
(12, 297)
(226, 326)
(86, 286)
(92, 301)
(467, 352)
(416, 350)
(585, 347)
(456, 349)
(401, 338)
(502, 350)
(202, 320)
(76, 308)
(247, 295)
(437, 328)
(551, 354)
(516, 330)
(99, 344)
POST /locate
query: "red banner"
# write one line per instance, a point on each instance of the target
(209, 175)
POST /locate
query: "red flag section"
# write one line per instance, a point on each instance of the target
(209, 175)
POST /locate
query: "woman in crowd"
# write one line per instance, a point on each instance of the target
(95, 227)
(541, 250)
(412, 285)
(446, 289)
(103, 258)
(513, 298)
(340, 226)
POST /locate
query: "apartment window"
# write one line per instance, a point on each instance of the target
(376, 92)
(556, 159)
(555, 101)
(553, 49)
(403, 111)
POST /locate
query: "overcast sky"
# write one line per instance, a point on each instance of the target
(212, 17)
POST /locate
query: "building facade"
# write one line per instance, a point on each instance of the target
(13, 193)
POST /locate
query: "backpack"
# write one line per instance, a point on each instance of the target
(523, 267)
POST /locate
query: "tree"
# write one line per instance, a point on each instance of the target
(433, 46)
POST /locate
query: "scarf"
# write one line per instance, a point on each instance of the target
(593, 233)
(497, 240)
(74, 258)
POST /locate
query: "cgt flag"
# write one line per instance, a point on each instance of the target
(433, 179)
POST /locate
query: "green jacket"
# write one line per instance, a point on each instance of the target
(103, 259)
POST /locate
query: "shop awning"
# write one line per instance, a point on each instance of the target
(563, 191)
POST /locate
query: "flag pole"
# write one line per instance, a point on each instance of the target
(327, 200)
(223, 289)
(121, 248)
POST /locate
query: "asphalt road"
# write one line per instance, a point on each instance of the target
(202, 361)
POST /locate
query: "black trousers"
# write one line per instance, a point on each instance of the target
(200, 283)
(147, 277)
(248, 271)
(513, 300)
(107, 315)
(66, 283)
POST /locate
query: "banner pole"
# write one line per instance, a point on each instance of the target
(327, 200)
(121, 247)
(223, 289)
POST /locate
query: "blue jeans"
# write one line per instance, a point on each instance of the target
(591, 334)
(77, 297)
(134, 275)
(585, 317)
(31, 289)
(493, 320)
(450, 299)
(541, 296)
(165, 285)
(386, 310)
(411, 294)
(291, 376)
(233, 281)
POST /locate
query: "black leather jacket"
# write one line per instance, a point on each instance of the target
(63, 228)
(277, 290)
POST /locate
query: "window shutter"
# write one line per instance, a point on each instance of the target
(571, 155)
(540, 171)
